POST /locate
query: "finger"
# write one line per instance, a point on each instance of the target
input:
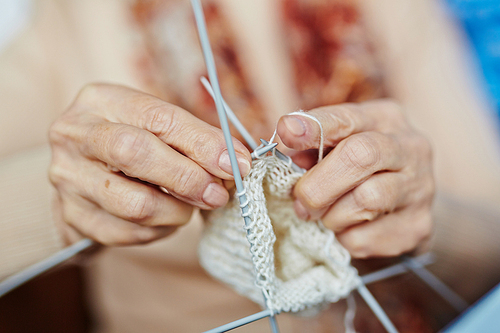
(140, 154)
(69, 234)
(134, 201)
(345, 167)
(390, 235)
(305, 159)
(380, 194)
(176, 127)
(338, 122)
(97, 224)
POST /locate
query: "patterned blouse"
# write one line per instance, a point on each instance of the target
(329, 51)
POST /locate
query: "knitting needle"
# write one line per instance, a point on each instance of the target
(285, 158)
(365, 293)
(230, 114)
(379, 275)
(212, 74)
(397, 269)
(240, 322)
(457, 302)
(376, 308)
(261, 151)
(424, 274)
(34, 270)
(244, 132)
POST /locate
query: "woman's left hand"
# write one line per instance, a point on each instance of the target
(375, 186)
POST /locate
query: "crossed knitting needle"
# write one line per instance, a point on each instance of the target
(416, 265)
(224, 112)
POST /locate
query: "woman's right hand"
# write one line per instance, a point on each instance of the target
(113, 149)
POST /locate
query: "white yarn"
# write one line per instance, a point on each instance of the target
(321, 135)
(349, 315)
(296, 264)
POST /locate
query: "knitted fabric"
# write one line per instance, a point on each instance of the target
(296, 264)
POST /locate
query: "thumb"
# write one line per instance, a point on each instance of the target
(301, 131)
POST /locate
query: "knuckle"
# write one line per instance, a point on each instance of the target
(310, 196)
(55, 175)
(361, 151)
(139, 206)
(90, 92)
(357, 250)
(130, 237)
(103, 234)
(61, 131)
(355, 244)
(394, 251)
(129, 149)
(160, 119)
(55, 132)
(60, 175)
(369, 215)
(343, 118)
(66, 213)
(203, 145)
(187, 182)
(424, 228)
(392, 107)
(392, 112)
(369, 196)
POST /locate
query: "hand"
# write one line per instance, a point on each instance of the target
(111, 151)
(375, 186)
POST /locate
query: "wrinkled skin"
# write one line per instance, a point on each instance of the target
(375, 187)
(115, 147)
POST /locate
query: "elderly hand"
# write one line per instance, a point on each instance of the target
(112, 150)
(375, 187)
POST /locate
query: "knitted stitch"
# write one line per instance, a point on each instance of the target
(296, 264)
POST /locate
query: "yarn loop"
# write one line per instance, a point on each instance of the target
(296, 264)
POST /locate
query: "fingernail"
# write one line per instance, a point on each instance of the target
(300, 210)
(225, 163)
(243, 164)
(215, 195)
(294, 126)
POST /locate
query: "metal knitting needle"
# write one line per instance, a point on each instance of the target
(363, 291)
(432, 281)
(34, 270)
(457, 302)
(212, 74)
(230, 114)
(377, 309)
(285, 158)
(244, 132)
(396, 269)
(240, 322)
(261, 151)
(379, 275)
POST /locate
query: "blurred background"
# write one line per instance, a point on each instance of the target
(439, 58)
